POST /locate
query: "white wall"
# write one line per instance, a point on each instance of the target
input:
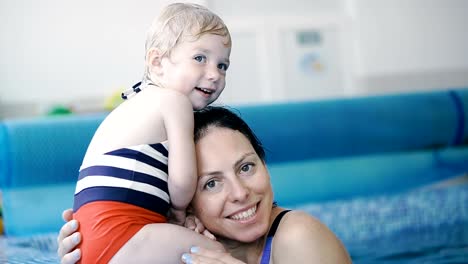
(79, 52)
(370, 47)
(70, 52)
(266, 55)
(261, 8)
(267, 60)
(405, 45)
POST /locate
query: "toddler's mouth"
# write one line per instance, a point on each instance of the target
(204, 90)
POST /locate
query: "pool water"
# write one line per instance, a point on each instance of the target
(445, 244)
(421, 226)
(31, 250)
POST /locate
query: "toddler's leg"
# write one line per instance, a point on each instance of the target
(161, 243)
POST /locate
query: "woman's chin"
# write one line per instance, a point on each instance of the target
(251, 234)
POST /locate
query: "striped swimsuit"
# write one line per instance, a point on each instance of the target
(118, 193)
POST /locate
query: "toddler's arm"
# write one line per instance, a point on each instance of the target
(178, 121)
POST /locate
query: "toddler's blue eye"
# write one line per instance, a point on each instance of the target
(223, 66)
(200, 58)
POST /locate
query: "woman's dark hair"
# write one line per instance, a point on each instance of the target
(216, 116)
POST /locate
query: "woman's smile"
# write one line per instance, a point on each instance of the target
(245, 216)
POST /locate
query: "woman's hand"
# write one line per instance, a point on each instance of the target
(199, 255)
(68, 239)
(193, 223)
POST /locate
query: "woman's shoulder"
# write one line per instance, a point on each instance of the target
(303, 238)
(296, 222)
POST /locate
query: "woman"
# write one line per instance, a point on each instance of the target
(234, 201)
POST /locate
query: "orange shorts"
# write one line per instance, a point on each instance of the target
(106, 226)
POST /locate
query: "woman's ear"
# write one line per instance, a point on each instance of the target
(154, 61)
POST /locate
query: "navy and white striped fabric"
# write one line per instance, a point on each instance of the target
(136, 175)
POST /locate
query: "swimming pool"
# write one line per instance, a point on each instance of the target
(420, 226)
(427, 225)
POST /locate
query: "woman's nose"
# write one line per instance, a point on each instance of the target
(238, 191)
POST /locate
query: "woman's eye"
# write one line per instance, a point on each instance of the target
(210, 184)
(200, 58)
(223, 66)
(246, 167)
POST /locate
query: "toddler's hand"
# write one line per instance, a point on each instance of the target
(193, 223)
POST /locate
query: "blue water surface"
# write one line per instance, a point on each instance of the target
(421, 226)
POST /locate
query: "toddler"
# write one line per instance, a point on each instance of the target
(128, 180)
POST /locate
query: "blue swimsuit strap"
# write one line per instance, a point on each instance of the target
(267, 249)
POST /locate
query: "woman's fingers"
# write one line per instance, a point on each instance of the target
(67, 244)
(71, 257)
(195, 259)
(67, 229)
(67, 215)
(67, 239)
(199, 255)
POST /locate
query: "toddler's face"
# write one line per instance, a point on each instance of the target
(197, 69)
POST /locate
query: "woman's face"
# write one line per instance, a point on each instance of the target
(234, 195)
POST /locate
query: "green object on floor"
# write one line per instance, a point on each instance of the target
(59, 110)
